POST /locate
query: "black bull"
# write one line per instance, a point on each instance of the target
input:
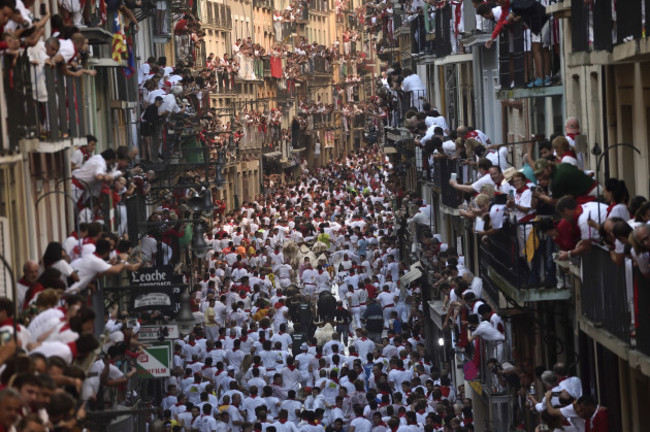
(326, 306)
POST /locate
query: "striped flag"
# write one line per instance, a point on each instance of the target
(119, 39)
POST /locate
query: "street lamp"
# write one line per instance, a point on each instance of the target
(185, 319)
(596, 151)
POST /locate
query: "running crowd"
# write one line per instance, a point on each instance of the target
(306, 325)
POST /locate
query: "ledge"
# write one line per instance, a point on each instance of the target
(437, 312)
(585, 58)
(561, 9)
(476, 39)
(449, 210)
(96, 35)
(118, 104)
(524, 93)
(605, 338)
(427, 59)
(528, 295)
(11, 158)
(454, 58)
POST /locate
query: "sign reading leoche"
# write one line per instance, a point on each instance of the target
(156, 288)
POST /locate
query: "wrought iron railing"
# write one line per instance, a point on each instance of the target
(604, 299)
(442, 171)
(519, 254)
(42, 102)
(642, 312)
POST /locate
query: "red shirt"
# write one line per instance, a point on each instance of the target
(599, 422)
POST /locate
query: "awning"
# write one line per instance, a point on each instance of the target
(299, 150)
(272, 155)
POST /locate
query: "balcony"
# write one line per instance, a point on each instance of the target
(318, 6)
(400, 104)
(592, 26)
(604, 306)
(516, 79)
(442, 170)
(523, 271)
(264, 4)
(614, 307)
(52, 111)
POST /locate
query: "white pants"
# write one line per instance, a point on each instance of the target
(356, 315)
(387, 312)
(402, 311)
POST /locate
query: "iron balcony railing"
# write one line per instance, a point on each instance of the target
(42, 102)
(642, 312)
(442, 43)
(515, 53)
(595, 27)
(519, 254)
(604, 297)
(402, 101)
(442, 171)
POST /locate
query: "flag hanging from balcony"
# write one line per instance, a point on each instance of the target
(119, 39)
(129, 70)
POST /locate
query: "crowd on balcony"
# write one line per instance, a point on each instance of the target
(536, 218)
(525, 26)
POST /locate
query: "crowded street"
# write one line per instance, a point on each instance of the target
(324, 216)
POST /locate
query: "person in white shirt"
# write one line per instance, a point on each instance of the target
(94, 265)
(491, 337)
(588, 216)
(483, 166)
(359, 423)
(413, 83)
(88, 179)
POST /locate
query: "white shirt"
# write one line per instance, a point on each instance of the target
(87, 173)
(486, 331)
(485, 179)
(87, 269)
(499, 158)
(596, 212)
(361, 424)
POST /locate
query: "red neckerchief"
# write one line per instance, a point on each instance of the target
(89, 240)
(282, 421)
(7, 322)
(218, 372)
(291, 367)
(610, 207)
(573, 135)
(73, 349)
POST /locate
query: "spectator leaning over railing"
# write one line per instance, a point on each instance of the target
(640, 241)
(564, 179)
(63, 54)
(578, 235)
(484, 166)
(413, 83)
